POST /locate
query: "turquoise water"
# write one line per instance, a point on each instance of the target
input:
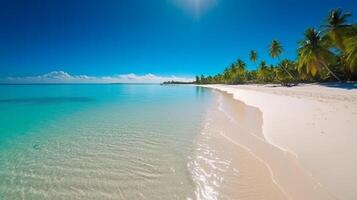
(98, 141)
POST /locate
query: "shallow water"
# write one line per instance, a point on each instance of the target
(99, 141)
(130, 142)
(222, 165)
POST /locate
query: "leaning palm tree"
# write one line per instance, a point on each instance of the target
(275, 50)
(282, 67)
(313, 54)
(253, 56)
(351, 52)
(336, 28)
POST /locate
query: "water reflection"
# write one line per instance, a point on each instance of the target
(201, 90)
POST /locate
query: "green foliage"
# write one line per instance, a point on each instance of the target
(284, 67)
(351, 52)
(321, 56)
(275, 49)
(336, 28)
(253, 56)
(313, 54)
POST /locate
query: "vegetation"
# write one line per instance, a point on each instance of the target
(329, 54)
(177, 82)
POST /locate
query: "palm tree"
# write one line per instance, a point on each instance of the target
(233, 68)
(313, 54)
(287, 65)
(197, 79)
(202, 79)
(337, 28)
(262, 71)
(226, 75)
(275, 50)
(241, 69)
(351, 52)
(241, 65)
(253, 56)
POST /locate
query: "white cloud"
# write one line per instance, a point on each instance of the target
(64, 77)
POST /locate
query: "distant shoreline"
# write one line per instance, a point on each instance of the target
(342, 85)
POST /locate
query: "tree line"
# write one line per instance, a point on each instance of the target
(325, 54)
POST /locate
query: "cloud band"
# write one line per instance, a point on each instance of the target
(64, 77)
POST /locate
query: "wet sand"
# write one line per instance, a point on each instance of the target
(224, 169)
(284, 143)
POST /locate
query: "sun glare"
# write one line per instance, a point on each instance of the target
(196, 8)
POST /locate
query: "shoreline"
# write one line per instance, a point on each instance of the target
(220, 168)
(308, 131)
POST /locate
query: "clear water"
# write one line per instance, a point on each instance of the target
(99, 141)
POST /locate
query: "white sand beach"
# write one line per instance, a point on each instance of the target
(307, 141)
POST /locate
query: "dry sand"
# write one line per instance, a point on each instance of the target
(306, 142)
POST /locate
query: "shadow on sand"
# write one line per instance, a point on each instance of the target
(347, 86)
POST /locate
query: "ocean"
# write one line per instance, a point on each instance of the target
(114, 141)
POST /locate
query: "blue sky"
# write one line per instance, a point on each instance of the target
(162, 37)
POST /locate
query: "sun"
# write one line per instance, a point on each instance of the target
(196, 8)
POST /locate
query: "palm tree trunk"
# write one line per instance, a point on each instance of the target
(286, 70)
(288, 73)
(256, 66)
(245, 76)
(331, 72)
